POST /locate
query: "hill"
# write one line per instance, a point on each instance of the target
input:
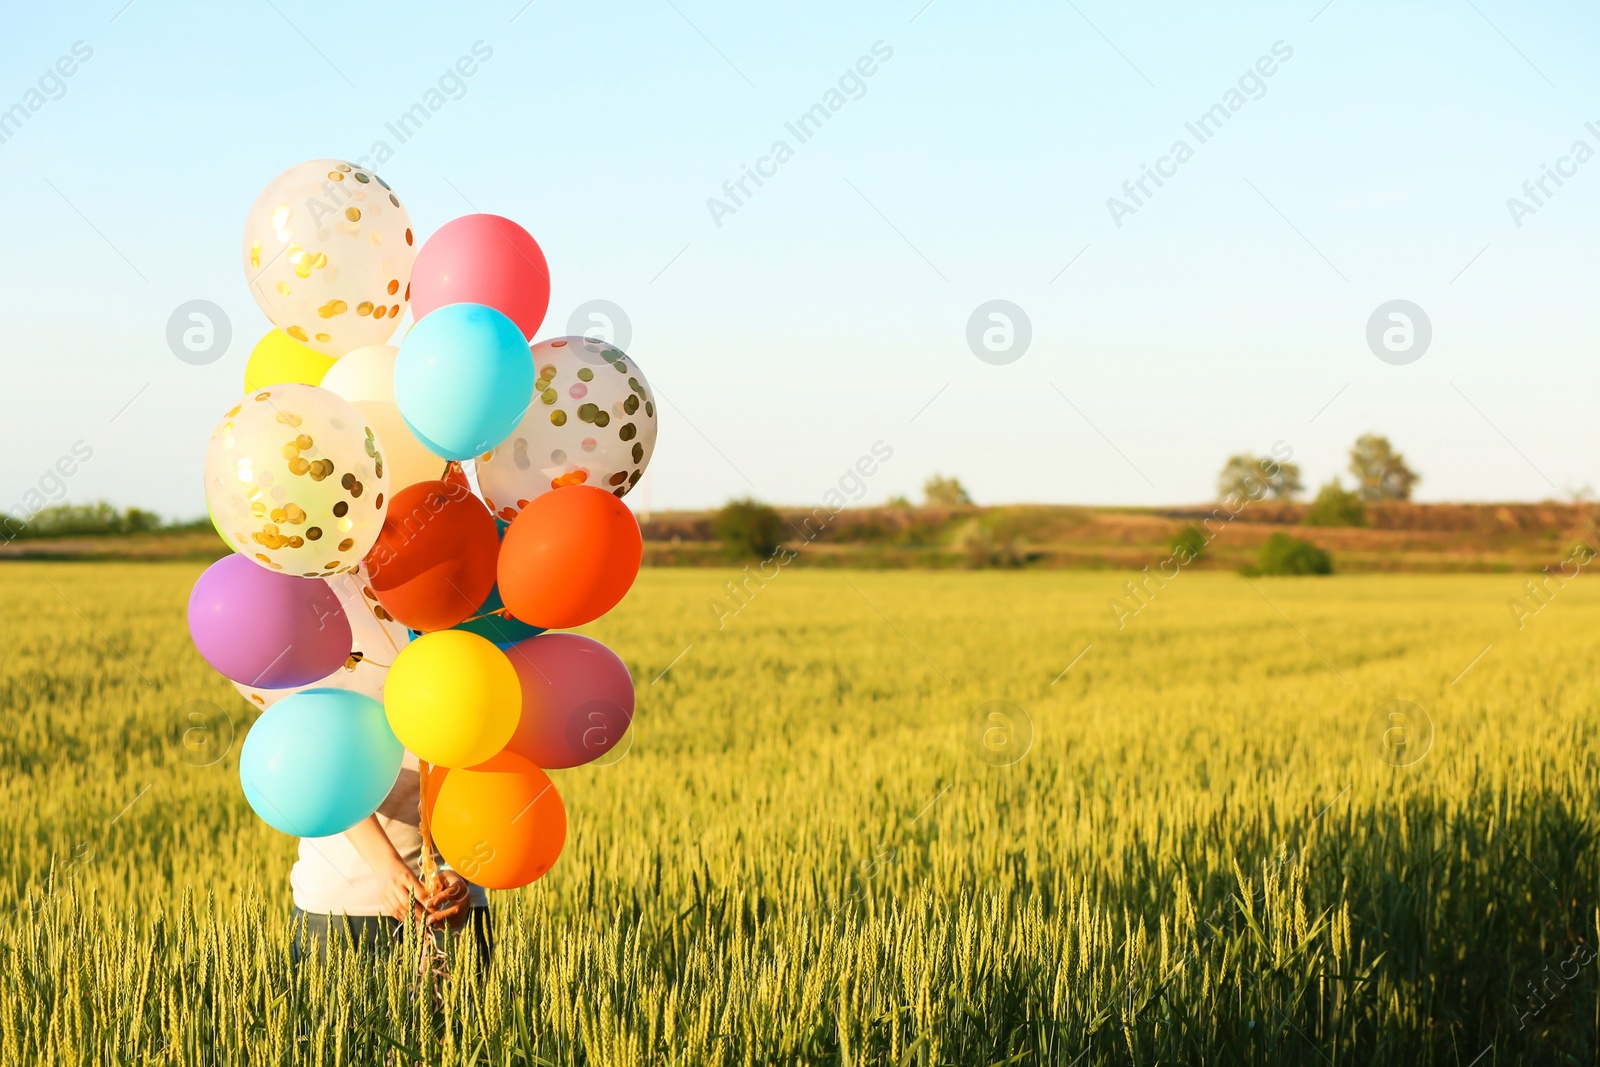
(1399, 537)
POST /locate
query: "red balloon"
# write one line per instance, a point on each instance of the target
(434, 561)
(569, 557)
(577, 700)
(483, 259)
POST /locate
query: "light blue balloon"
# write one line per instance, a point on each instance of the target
(319, 761)
(463, 379)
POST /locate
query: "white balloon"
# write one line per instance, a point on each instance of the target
(592, 422)
(365, 377)
(295, 480)
(328, 250)
(378, 639)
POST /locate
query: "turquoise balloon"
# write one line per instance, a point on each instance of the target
(463, 379)
(319, 761)
(487, 623)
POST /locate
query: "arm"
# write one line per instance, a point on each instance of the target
(398, 881)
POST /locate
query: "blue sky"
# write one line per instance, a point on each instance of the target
(830, 309)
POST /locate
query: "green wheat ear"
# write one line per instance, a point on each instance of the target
(803, 858)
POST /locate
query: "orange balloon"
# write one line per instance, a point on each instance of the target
(569, 557)
(434, 561)
(499, 828)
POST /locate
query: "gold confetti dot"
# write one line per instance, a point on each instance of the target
(296, 332)
(283, 288)
(313, 533)
(408, 235)
(353, 214)
(394, 286)
(324, 337)
(348, 543)
(340, 508)
(364, 308)
(332, 308)
(379, 312)
(336, 176)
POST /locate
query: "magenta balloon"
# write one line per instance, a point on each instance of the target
(483, 259)
(577, 700)
(265, 629)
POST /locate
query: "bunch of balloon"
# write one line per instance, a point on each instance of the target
(377, 601)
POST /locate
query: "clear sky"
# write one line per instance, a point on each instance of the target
(829, 309)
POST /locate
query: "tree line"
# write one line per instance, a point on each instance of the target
(1381, 475)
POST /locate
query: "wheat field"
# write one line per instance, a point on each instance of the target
(909, 818)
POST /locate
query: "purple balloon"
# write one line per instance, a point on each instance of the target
(265, 629)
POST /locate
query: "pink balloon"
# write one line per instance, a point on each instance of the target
(577, 700)
(483, 259)
(265, 629)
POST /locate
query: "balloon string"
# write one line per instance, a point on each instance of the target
(500, 614)
(430, 869)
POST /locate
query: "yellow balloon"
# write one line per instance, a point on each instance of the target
(453, 698)
(279, 359)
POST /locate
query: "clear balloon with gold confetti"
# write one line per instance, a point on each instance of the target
(592, 422)
(295, 480)
(328, 251)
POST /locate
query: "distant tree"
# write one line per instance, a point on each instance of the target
(1336, 506)
(1257, 477)
(899, 502)
(137, 520)
(942, 492)
(85, 520)
(1283, 554)
(1188, 544)
(749, 528)
(993, 540)
(1381, 472)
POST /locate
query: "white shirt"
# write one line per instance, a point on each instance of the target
(331, 878)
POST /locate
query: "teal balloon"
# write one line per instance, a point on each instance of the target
(319, 761)
(487, 623)
(463, 379)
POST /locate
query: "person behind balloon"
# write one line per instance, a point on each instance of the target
(368, 881)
